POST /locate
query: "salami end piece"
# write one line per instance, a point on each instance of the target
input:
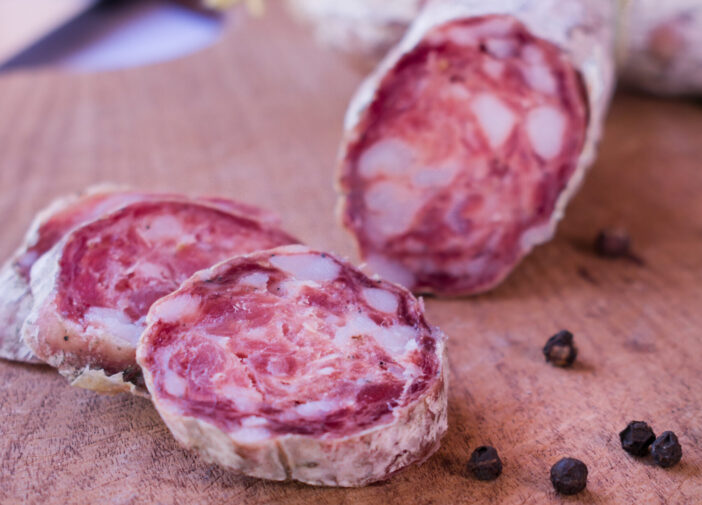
(93, 289)
(292, 364)
(463, 147)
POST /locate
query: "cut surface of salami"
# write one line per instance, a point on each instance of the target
(93, 289)
(464, 145)
(292, 364)
(467, 146)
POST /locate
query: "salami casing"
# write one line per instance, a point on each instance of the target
(462, 149)
(292, 364)
(93, 288)
(662, 45)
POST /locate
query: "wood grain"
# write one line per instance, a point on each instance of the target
(258, 117)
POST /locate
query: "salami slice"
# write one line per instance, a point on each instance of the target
(662, 45)
(92, 290)
(50, 226)
(292, 364)
(463, 147)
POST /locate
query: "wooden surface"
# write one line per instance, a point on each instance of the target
(258, 117)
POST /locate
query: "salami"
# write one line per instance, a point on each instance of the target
(93, 288)
(662, 45)
(48, 228)
(292, 364)
(363, 30)
(462, 149)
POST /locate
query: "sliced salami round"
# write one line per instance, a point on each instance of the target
(50, 226)
(463, 148)
(92, 290)
(292, 364)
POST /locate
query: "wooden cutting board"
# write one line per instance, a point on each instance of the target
(258, 117)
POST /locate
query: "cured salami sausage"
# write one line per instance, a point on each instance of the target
(662, 45)
(462, 149)
(92, 289)
(292, 364)
(659, 40)
(50, 226)
(363, 30)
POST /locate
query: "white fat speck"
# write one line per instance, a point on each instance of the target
(385, 157)
(245, 399)
(251, 421)
(328, 370)
(393, 338)
(307, 267)
(181, 307)
(162, 228)
(314, 409)
(501, 48)
(146, 269)
(174, 384)
(438, 175)
(381, 300)
(250, 435)
(493, 68)
(495, 118)
(113, 322)
(545, 127)
(532, 54)
(390, 270)
(255, 280)
(540, 78)
(391, 208)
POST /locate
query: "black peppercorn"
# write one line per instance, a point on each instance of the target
(666, 450)
(560, 349)
(569, 476)
(484, 463)
(636, 438)
(613, 243)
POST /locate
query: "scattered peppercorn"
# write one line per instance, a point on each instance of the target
(484, 463)
(636, 438)
(560, 349)
(666, 450)
(569, 476)
(65, 337)
(613, 243)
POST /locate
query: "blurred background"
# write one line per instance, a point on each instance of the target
(87, 35)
